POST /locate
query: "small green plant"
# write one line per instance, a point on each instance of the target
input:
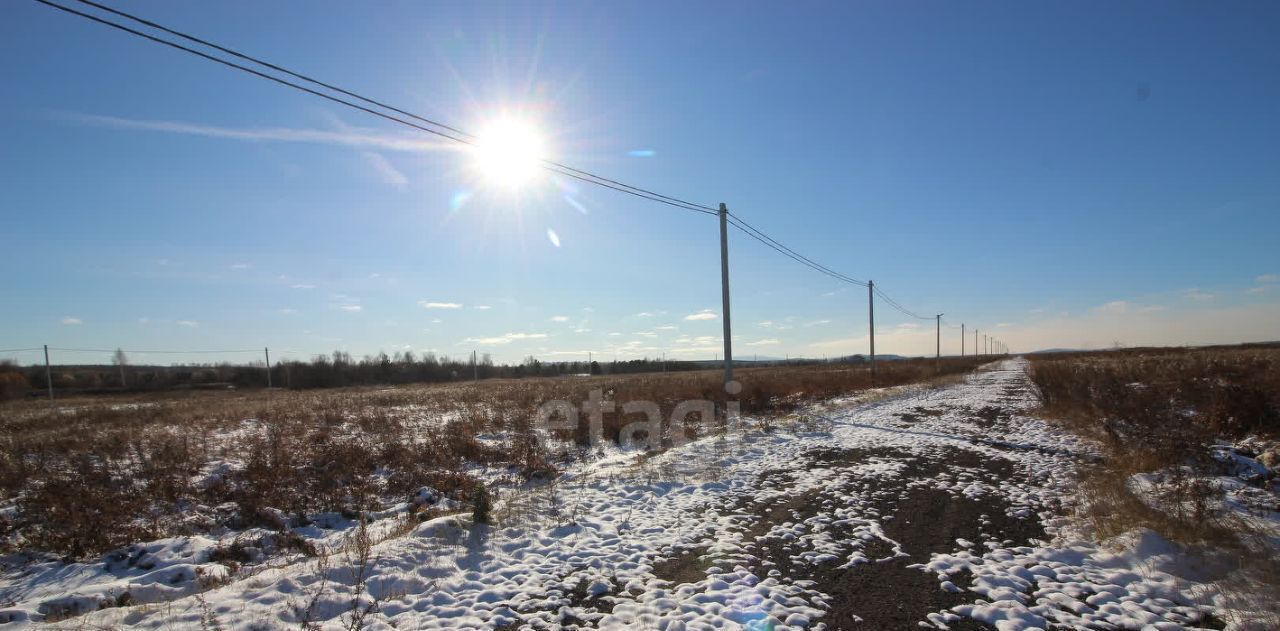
(481, 504)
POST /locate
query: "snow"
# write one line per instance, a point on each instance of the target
(587, 549)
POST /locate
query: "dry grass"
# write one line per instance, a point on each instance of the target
(1156, 410)
(94, 473)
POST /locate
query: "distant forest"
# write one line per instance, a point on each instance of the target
(323, 371)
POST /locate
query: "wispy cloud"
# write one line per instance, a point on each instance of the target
(286, 311)
(482, 307)
(350, 307)
(665, 327)
(559, 318)
(72, 321)
(1197, 295)
(240, 266)
(1269, 278)
(302, 286)
(818, 323)
(770, 341)
(350, 137)
(384, 169)
(190, 324)
(705, 314)
(506, 339)
(439, 305)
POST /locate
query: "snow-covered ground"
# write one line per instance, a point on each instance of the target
(934, 507)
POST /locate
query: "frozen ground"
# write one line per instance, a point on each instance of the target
(937, 508)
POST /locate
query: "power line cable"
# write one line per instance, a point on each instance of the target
(759, 235)
(360, 97)
(18, 350)
(469, 139)
(451, 133)
(893, 303)
(148, 352)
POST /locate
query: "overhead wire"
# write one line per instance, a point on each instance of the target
(752, 231)
(441, 130)
(553, 167)
(150, 352)
(368, 100)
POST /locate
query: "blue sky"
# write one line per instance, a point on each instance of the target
(1069, 174)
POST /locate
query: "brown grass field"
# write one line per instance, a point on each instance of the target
(88, 474)
(1161, 411)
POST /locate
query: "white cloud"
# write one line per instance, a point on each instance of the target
(559, 318)
(1256, 290)
(818, 323)
(506, 339)
(351, 137)
(384, 169)
(644, 314)
(190, 324)
(666, 327)
(1115, 306)
(482, 307)
(351, 307)
(1197, 295)
(1269, 278)
(70, 321)
(705, 314)
(771, 341)
(582, 330)
(439, 305)
(240, 266)
(286, 311)
(302, 286)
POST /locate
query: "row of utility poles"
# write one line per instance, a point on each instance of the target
(990, 346)
(120, 362)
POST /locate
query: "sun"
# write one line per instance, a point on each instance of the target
(509, 153)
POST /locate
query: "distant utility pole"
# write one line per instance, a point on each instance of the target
(986, 345)
(475, 366)
(724, 293)
(962, 339)
(871, 312)
(48, 372)
(976, 348)
(937, 357)
(266, 352)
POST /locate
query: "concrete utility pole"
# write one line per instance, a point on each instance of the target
(871, 312)
(266, 352)
(962, 339)
(48, 372)
(937, 357)
(724, 293)
(475, 366)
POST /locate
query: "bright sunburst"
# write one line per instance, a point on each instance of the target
(509, 153)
